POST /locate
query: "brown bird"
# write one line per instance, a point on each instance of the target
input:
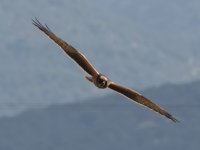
(100, 80)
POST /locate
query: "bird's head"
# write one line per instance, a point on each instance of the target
(101, 81)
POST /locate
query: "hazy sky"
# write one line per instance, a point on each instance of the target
(137, 43)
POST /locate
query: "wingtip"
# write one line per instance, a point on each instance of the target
(37, 23)
(173, 118)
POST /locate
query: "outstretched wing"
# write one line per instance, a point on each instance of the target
(137, 97)
(71, 51)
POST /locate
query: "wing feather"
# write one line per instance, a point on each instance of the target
(71, 51)
(137, 97)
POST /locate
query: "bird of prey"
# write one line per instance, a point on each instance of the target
(98, 79)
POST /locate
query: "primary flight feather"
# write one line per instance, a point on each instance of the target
(100, 80)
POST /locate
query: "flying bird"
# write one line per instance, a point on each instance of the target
(98, 79)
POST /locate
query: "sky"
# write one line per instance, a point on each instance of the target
(140, 44)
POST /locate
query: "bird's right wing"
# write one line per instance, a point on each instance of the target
(137, 97)
(71, 51)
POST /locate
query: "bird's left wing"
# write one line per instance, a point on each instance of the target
(137, 97)
(71, 51)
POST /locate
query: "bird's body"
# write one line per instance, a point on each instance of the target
(100, 80)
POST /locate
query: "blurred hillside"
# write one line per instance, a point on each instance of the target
(109, 122)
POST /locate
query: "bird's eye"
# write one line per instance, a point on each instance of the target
(102, 80)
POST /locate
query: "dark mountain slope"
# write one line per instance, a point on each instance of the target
(109, 122)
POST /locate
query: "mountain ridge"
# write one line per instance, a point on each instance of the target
(108, 122)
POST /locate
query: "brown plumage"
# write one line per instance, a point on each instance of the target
(100, 80)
